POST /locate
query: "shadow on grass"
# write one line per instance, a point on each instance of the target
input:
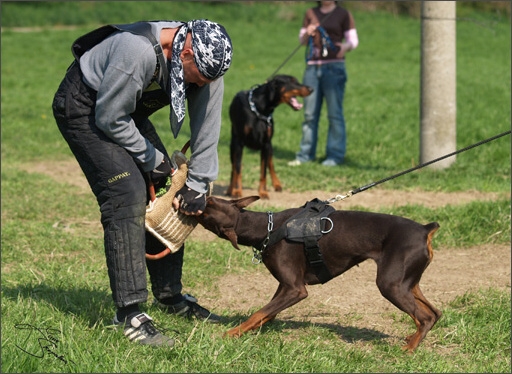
(92, 305)
(349, 334)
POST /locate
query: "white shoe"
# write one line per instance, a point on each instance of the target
(295, 163)
(141, 329)
(329, 162)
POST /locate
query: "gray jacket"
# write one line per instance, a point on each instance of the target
(120, 68)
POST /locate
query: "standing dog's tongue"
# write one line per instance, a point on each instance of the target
(295, 104)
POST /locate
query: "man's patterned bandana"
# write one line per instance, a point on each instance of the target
(212, 55)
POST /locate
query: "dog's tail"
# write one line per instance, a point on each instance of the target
(431, 229)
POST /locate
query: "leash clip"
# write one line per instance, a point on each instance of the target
(339, 197)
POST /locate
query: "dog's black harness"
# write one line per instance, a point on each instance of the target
(306, 227)
(267, 119)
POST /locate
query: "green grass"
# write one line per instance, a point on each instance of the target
(480, 325)
(53, 266)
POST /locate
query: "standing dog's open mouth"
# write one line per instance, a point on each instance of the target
(290, 98)
(294, 103)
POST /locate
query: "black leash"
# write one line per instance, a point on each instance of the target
(284, 62)
(373, 184)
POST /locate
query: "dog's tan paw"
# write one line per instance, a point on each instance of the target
(236, 194)
(234, 332)
(264, 195)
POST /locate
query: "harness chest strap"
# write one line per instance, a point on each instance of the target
(316, 260)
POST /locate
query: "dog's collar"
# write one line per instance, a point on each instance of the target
(258, 250)
(255, 111)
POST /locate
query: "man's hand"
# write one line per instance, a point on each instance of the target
(159, 176)
(189, 202)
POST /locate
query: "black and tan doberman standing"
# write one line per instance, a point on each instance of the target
(252, 126)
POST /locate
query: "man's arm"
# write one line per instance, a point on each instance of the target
(205, 112)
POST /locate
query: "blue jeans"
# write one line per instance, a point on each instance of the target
(328, 81)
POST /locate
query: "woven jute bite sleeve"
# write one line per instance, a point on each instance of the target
(171, 226)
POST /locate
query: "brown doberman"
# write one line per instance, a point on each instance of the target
(401, 248)
(252, 126)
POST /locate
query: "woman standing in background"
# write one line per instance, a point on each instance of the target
(329, 32)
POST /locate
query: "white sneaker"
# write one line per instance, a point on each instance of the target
(295, 163)
(329, 162)
(141, 329)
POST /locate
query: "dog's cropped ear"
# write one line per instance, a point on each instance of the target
(270, 90)
(232, 237)
(244, 201)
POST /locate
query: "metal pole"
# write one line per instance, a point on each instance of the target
(438, 110)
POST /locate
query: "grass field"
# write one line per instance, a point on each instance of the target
(53, 268)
